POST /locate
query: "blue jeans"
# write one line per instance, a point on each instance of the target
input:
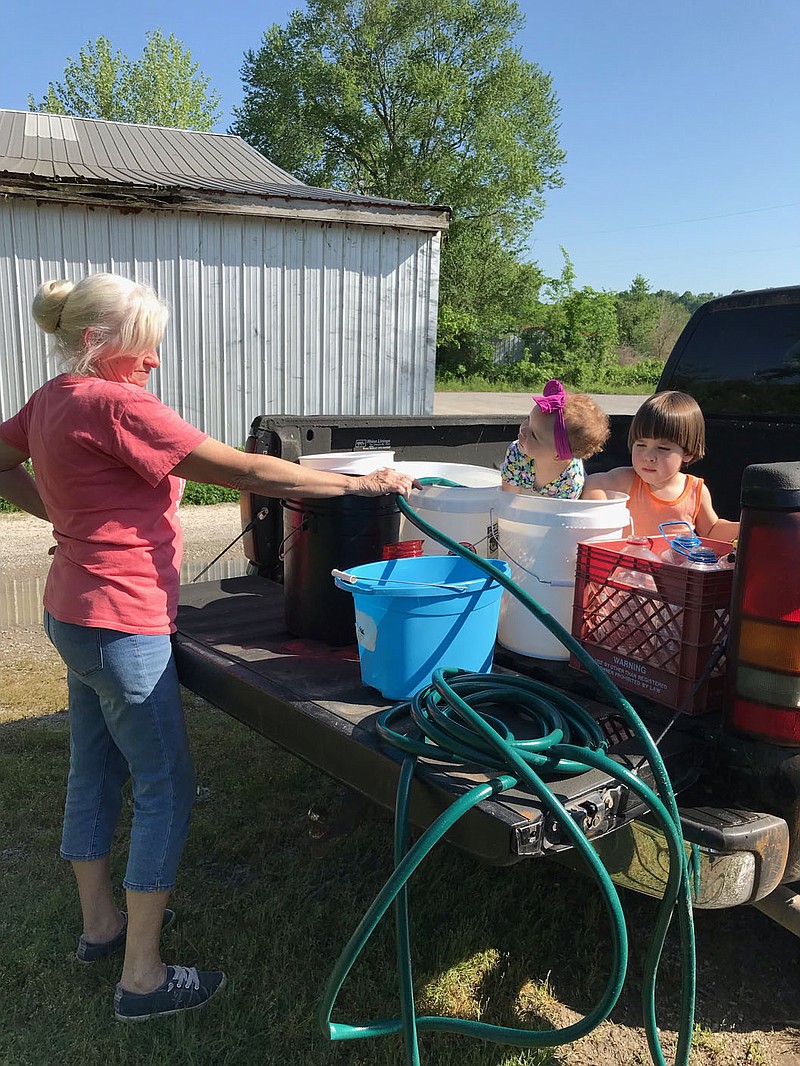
(126, 720)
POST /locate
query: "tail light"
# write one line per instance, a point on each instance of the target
(763, 698)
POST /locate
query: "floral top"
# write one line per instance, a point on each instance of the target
(520, 469)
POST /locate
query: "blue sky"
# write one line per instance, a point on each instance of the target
(679, 120)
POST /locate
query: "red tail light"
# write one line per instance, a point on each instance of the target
(763, 698)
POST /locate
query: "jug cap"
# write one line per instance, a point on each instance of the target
(702, 555)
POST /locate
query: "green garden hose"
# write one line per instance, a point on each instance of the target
(458, 720)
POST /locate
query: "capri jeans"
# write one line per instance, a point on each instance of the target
(126, 720)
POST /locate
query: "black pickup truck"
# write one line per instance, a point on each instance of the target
(735, 769)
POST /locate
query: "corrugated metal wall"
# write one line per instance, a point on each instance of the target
(269, 316)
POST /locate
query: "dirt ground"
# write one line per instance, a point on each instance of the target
(748, 1002)
(25, 542)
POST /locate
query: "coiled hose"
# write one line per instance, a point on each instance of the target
(458, 720)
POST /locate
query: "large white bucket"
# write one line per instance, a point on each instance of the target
(360, 462)
(538, 536)
(464, 514)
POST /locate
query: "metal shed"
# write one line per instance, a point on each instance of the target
(285, 299)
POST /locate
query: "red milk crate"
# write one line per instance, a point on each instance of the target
(652, 625)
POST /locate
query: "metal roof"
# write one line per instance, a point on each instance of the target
(84, 152)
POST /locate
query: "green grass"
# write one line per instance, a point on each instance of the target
(193, 493)
(257, 898)
(197, 493)
(478, 383)
(580, 373)
(523, 945)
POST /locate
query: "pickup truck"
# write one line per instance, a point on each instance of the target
(736, 769)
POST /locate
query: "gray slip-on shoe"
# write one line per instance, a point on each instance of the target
(185, 988)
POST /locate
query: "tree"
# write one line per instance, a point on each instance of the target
(638, 313)
(420, 100)
(161, 88)
(672, 317)
(691, 301)
(577, 337)
(485, 290)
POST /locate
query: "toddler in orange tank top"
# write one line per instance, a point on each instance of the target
(667, 433)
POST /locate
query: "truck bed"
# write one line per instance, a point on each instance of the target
(232, 648)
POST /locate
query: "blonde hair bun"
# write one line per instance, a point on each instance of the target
(100, 315)
(49, 303)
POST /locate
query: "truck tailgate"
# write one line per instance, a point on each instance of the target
(232, 649)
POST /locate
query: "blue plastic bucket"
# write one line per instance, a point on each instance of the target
(407, 625)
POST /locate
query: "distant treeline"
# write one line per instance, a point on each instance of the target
(597, 341)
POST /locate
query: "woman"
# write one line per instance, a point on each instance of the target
(110, 460)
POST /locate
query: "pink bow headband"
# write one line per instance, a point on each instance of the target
(551, 402)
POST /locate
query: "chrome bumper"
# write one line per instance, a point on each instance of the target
(637, 858)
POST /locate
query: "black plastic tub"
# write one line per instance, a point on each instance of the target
(318, 536)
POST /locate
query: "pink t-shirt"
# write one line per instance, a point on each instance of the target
(102, 452)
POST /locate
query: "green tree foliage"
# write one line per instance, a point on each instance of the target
(637, 311)
(577, 334)
(427, 101)
(651, 322)
(689, 300)
(485, 292)
(163, 87)
(672, 317)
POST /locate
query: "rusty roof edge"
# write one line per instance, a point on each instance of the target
(174, 194)
(170, 197)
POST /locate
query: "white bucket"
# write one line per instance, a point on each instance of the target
(538, 536)
(464, 514)
(360, 462)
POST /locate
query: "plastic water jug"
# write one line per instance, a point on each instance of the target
(702, 559)
(639, 548)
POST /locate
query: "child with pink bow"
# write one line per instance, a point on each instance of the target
(562, 429)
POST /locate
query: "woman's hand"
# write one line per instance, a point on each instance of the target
(385, 481)
(214, 463)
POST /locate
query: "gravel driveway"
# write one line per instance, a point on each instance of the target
(24, 562)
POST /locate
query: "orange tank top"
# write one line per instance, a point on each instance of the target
(648, 511)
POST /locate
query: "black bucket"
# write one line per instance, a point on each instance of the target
(318, 536)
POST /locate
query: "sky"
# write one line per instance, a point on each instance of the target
(679, 120)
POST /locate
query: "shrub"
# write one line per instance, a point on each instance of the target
(197, 493)
(193, 493)
(580, 374)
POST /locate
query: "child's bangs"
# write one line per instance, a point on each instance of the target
(680, 423)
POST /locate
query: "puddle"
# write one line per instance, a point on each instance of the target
(21, 598)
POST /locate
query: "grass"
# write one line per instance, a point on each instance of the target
(478, 383)
(194, 493)
(524, 945)
(255, 897)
